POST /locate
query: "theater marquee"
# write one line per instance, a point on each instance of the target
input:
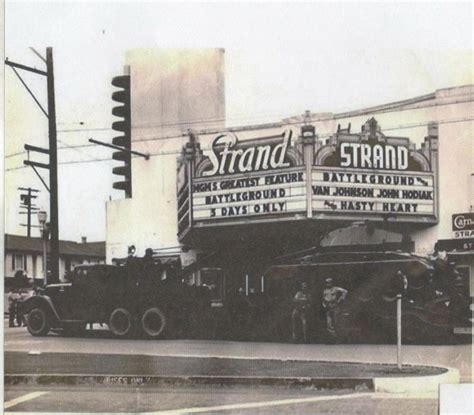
(287, 176)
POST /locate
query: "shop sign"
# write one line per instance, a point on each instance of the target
(463, 225)
(455, 245)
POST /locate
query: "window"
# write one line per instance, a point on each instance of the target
(35, 265)
(214, 279)
(19, 262)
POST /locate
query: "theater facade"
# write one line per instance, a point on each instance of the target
(234, 199)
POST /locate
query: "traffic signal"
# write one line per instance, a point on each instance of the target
(124, 126)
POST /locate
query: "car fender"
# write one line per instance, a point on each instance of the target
(40, 301)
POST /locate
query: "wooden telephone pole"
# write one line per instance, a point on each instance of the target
(52, 166)
(27, 203)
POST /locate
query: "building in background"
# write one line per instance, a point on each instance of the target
(26, 254)
(171, 91)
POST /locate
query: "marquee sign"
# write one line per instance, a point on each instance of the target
(365, 175)
(372, 175)
(394, 192)
(264, 193)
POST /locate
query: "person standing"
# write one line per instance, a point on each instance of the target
(302, 306)
(148, 260)
(332, 297)
(13, 298)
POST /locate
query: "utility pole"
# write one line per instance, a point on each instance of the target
(27, 203)
(52, 166)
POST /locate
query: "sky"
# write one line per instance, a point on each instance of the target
(281, 59)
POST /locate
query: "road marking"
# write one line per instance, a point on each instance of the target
(252, 405)
(24, 398)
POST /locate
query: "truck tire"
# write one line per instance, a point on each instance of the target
(153, 322)
(121, 322)
(37, 322)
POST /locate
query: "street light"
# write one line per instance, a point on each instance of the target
(42, 217)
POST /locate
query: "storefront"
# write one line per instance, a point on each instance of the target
(460, 250)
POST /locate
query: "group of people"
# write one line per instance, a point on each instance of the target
(331, 297)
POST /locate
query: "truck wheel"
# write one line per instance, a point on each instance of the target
(37, 322)
(153, 322)
(120, 322)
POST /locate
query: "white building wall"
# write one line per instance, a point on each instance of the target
(171, 90)
(8, 264)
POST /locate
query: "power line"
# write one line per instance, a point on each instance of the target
(178, 123)
(182, 135)
(15, 154)
(210, 120)
(77, 149)
(173, 136)
(398, 127)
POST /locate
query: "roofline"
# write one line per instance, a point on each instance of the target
(61, 254)
(32, 251)
(331, 116)
(386, 107)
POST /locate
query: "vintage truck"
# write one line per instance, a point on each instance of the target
(134, 300)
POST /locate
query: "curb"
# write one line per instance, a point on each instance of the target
(317, 383)
(421, 384)
(395, 385)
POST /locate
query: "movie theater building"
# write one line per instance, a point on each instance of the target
(230, 200)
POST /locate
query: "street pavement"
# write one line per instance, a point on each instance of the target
(212, 400)
(99, 341)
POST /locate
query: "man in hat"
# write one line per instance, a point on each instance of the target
(332, 297)
(148, 260)
(302, 306)
(13, 299)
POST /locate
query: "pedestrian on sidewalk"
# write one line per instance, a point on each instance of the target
(23, 294)
(13, 298)
(301, 310)
(332, 297)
